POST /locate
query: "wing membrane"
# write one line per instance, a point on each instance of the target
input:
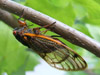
(57, 55)
(65, 61)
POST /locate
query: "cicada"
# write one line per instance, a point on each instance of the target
(52, 50)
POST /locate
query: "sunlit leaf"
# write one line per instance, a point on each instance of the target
(92, 10)
(64, 14)
(94, 31)
(12, 53)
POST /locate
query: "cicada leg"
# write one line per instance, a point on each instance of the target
(47, 26)
(22, 22)
(43, 32)
(55, 36)
(37, 30)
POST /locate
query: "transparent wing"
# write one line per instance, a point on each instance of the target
(57, 55)
(64, 59)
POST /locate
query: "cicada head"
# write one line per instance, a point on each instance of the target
(17, 32)
(19, 35)
(21, 29)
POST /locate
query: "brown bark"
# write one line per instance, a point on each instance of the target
(8, 18)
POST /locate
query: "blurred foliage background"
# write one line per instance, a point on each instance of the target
(83, 15)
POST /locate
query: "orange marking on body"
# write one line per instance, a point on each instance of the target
(25, 38)
(42, 36)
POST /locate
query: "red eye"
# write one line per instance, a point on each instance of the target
(14, 32)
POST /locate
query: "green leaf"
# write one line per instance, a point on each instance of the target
(29, 64)
(76, 73)
(98, 1)
(82, 28)
(60, 3)
(20, 71)
(32, 61)
(65, 13)
(92, 9)
(67, 10)
(94, 31)
(12, 52)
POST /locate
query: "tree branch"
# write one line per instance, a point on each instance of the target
(8, 18)
(65, 31)
(90, 72)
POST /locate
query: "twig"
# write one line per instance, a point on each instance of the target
(90, 72)
(65, 31)
(8, 18)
